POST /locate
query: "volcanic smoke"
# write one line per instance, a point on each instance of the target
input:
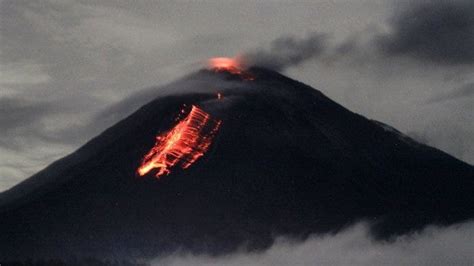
(186, 142)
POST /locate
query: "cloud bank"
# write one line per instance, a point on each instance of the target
(434, 246)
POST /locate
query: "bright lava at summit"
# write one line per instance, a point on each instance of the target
(230, 65)
(182, 145)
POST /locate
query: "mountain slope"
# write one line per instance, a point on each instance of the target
(286, 161)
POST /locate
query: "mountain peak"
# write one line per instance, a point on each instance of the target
(285, 160)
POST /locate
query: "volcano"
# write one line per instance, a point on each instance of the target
(278, 159)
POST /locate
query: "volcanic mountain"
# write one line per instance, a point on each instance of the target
(220, 161)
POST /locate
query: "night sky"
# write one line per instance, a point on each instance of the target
(65, 65)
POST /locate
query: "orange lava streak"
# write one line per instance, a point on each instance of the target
(231, 65)
(183, 144)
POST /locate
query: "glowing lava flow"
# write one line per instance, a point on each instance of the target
(183, 144)
(230, 65)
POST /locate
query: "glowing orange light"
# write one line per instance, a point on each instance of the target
(225, 64)
(230, 65)
(182, 145)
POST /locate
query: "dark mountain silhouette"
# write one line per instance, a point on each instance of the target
(287, 160)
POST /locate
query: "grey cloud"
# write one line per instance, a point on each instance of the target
(23, 120)
(433, 246)
(439, 31)
(451, 136)
(466, 91)
(24, 130)
(18, 113)
(451, 133)
(287, 51)
(23, 145)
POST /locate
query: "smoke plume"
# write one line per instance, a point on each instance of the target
(287, 51)
(438, 31)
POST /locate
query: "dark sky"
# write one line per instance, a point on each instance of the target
(65, 64)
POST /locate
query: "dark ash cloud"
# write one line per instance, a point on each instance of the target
(287, 51)
(438, 31)
(465, 91)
